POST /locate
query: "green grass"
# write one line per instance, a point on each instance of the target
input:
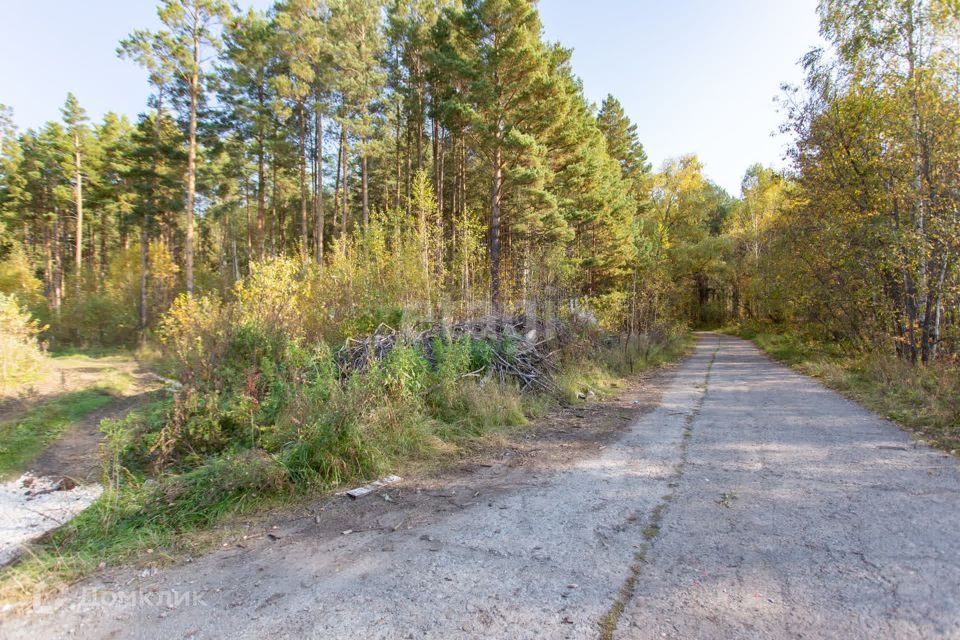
(601, 372)
(24, 438)
(69, 351)
(355, 433)
(922, 399)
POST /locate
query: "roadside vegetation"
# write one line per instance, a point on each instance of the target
(924, 400)
(322, 175)
(276, 405)
(21, 359)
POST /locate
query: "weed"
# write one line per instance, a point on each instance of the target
(265, 418)
(727, 498)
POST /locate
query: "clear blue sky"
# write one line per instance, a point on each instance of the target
(695, 75)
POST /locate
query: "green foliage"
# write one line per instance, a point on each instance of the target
(17, 277)
(20, 356)
(595, 369)
(27, 436)
(398, 233)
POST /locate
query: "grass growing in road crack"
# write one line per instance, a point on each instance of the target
(727, 498)
(610, 620)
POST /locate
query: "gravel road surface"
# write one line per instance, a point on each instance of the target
(750, 503)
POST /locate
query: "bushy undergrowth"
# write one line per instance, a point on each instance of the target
(924, 399)
(21, 359)
(265, 413)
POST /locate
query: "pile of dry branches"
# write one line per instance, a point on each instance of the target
(523, 350)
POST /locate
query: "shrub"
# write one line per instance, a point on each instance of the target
(20, 356)
(17, 277)
(194, 334)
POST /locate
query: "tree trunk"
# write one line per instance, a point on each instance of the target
(102, 258)
(261, 198)
(57, 265)
(496, 192)
(364, 186)
(144, 267)
(48, 271)
(440, 172)
(192, 151)
(337, 185)
(343, 179)
(78, 202)
(144, 225)
(409, 168)
(304, 228)
(436, 158)
(398, 156)
(421, 116)
(319, 217)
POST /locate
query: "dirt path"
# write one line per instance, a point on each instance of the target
(751, 502)
(63, 375)
(32, 504)
(75, 453)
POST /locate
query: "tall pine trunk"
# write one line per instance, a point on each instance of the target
(304, 231)
(397, 147)
(261, 177)
(192, 151)
(343, 179)
(261, 199)
(144, 266)
(78, 203)
(57, 265)
(364, 186)
(496, 191)
(319, 221)
(337, 186)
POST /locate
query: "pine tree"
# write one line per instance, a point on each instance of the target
(493, 47)
(154, 168)
(190, 29)
(77, 129)
(303, 47)
(110, 193)
(251, 59)
(356, 39)
(623, 144)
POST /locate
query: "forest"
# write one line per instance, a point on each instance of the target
(439, 160)
(335, 220)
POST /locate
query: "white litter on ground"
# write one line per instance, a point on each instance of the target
(31, 506)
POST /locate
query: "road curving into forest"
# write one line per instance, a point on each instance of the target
(750, 503)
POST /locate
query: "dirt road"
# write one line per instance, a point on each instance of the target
(750, 503)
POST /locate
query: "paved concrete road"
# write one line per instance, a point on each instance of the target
(751, 503)
(800, 515)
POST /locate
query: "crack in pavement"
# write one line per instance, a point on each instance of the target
(842, 527)
(608, 624)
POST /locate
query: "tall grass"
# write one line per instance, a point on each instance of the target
(292, 430)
